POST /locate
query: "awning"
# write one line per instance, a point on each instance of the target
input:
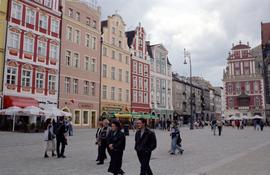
(19, 101)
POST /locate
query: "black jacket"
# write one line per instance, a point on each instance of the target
(118, 141)
(147, 142)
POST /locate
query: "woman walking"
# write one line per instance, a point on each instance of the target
(49, 138)
(117, 143)
(176, 143)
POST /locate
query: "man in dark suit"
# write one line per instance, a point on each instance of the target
(145, 143)
(60, 131)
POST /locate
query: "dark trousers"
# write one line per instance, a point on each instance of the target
(102, 152)
(116, 162)
(144, 158)
(61, 141)
(219, 130)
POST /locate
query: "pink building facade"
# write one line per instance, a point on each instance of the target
(140, 71)
(80, 63)
(243, 83)
(32, 53)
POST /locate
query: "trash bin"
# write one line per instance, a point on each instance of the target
(126, 129)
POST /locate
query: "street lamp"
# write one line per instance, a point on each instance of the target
(187, 56)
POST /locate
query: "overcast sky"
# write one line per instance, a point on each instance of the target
(207, 28)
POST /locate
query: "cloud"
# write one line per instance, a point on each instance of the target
(207, 28)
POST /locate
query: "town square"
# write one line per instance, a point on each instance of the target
(134, 87)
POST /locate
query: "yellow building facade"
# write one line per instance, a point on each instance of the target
(115, 67)
(3, 26)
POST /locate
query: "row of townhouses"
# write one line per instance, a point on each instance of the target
(60, 53)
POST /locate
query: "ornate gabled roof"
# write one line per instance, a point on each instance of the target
(240, 46)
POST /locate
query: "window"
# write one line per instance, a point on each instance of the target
(113, 73)
(140, 69)
(113, 54)
(28, 44)
(93, 87)
(69, 33)
(112, 93)
(42, 48)
(135, 82)
(87, 40)
(77, 16)
(48, 3)
(120, 44)
(145, 99)
(70, 12)
(246, 63)
(16, 11)
(77, 36)
(256, 86)
(127, 77)
(247, 87)
(26, 78)
(135, 67)
(140, 83)
(134, 97)
(40, 80)
(14, 40)
(87, 63)
(104, 70)
(85, 117)
(11, 75)
(94, 42)
(67, 84)
(43, 23)
(76, 61)
(238, 88)
(229, 87)
(145, 70)
(104, 92)
(113, 41)
(104, 51)
(30, 16)
(77, 117)
(145, 84)
(113, 30)
(246, 71)
(88, 21)
(94, 24)
(120, 74)
(231, 102)
(237, 71)
(257, 101)
(54, 51)
(55, 26)
(127, 60)
(75, 86)
(120, 94)
(140, 54)
(127, 95)
(52, 82)
(86, 88)
(140, 97)
(93, 65)
(120, 57)
(68, 58)
(237, 64)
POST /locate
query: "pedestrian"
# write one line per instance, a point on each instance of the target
(70, 127)
(175, 135)
(261, 124)
(60, 132)
(117, 143)
(237, 123)
(219, 125)
(104, 135)
(214, 126)
(168, 124)
(258, 125)
(98, 142)
(145, 143)
(49, 138)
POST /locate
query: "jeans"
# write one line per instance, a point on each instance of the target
(174, 145)
(144, 158)
(214, 130)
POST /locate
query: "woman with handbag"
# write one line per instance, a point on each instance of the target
(49, 138)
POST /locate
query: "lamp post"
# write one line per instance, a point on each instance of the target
(187, 56)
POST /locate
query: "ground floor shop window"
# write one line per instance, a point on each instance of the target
(85, 117)
(77, 117)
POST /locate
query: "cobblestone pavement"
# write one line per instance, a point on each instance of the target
(236, 152)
